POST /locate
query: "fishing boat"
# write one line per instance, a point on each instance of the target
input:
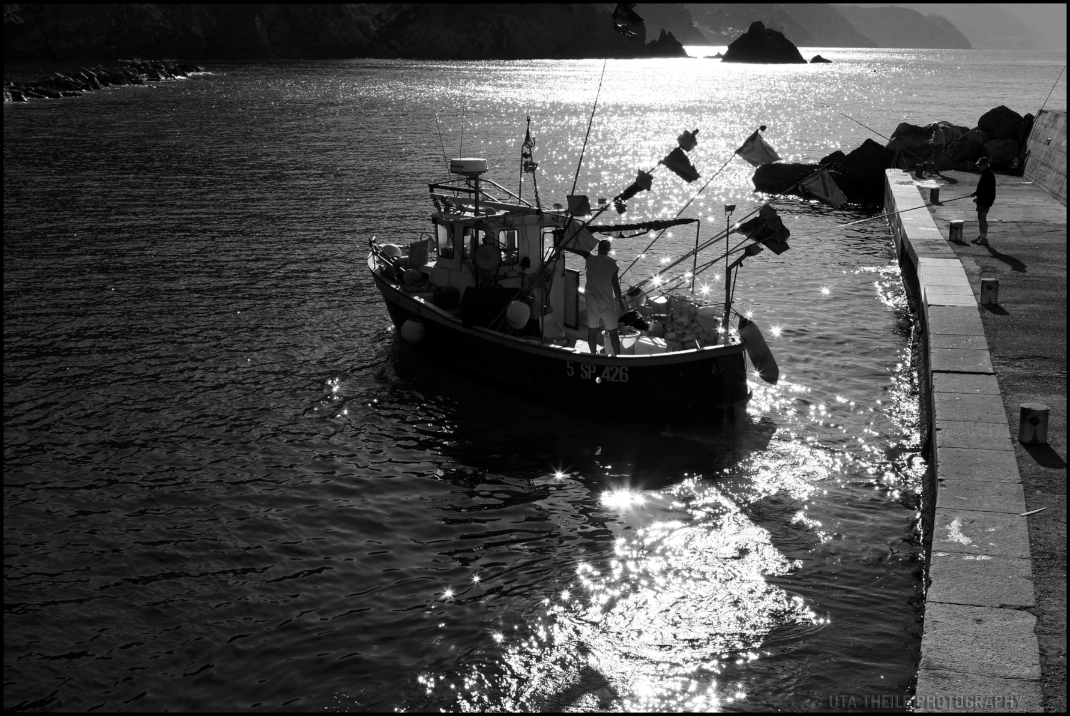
(494, 288)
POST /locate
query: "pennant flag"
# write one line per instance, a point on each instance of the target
(579, 205)
(756, 151)
(678, 162)
(688, 140)
(529, 164)
(824, 187)
(768, 230)
(578, 238)
(642, 182)
(626, 21)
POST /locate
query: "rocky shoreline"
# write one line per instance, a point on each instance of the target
(1000, 135)
(84, 79)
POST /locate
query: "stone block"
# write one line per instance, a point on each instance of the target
(955, 340)
(996, 534)
(977, 465)
(980, 581)
(981, 641)
(960, 360)
(970, 407)
(947, 295)
(979, 436)
(942, 691)
(954, 319)
(965, 383)
(980, 496)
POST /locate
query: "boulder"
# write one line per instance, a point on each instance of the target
(17, 95)
(969, 147)
(911, 139)
(762, 45)
(836, 157)
(863, 172)
(1001, 123)
(779, 178)
(1001, 153)
(819, 59)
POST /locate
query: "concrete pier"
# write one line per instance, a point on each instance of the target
(995, 609)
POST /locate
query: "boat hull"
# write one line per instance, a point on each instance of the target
(648, 387)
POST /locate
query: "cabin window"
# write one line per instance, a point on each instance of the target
(472, 240)
(546, 247)
(507, 242)
(444, 234)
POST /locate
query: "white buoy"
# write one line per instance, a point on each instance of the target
(518, 314)
(1033, 424)
(412, 331)
(392, 250)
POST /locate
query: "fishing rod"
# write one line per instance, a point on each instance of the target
(880, 216)
(589, 123)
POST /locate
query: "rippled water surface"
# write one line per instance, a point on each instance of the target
(228, 485)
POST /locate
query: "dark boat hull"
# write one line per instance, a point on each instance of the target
(648, 388)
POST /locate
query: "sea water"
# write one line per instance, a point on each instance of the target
(230, 485)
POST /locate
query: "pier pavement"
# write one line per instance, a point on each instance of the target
(995, 616)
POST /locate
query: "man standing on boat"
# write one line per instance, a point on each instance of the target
(604, 302)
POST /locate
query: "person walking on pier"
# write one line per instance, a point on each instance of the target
(984, 197)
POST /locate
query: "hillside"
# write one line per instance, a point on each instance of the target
(903, 27)
(805, 24)
(990, 26)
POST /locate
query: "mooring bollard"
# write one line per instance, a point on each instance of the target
(989, 292)
(934, 195)
(954, 232)
(1033, 424)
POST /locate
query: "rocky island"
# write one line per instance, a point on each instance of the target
(763, 45)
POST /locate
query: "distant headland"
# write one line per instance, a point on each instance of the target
(65, 32)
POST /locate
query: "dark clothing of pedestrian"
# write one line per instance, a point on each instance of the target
(986, 188)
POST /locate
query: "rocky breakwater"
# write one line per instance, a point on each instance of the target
(1000, 135)
(859, 174)
(73, 84)
(762, 45)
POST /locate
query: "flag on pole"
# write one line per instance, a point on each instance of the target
(824, 187)
(678, 162)
(756, 151)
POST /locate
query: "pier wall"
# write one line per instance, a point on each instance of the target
(978, 641)
(1045, 164)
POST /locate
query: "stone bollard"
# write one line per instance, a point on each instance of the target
(1033, 424)
(934, 195)
(954, 232)
(989, 292)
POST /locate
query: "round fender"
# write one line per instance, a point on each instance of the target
(518, 314)
(413, 331)
(758, 351)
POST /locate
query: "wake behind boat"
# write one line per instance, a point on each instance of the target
(495, 288)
